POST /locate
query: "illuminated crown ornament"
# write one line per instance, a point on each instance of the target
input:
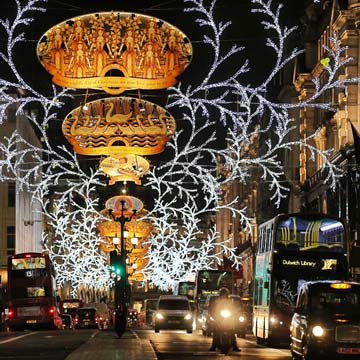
(114, 51)
(128, 167)
(119, 125)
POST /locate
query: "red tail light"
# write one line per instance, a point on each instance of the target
(11, 313)
(76, 319)
(51, 311)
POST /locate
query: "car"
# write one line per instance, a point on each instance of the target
(67, 321)
(241, 321)
(87, 317)
(326, 321)
(173, 312)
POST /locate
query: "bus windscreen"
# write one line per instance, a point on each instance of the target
(299, 233)
(28, 263)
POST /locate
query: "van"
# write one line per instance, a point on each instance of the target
(173, 312)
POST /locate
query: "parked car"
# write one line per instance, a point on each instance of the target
(67, 321)
(326, 321)
(173, 312)
(87, 317)
(240, 320)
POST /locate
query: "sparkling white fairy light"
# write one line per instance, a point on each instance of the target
(184, 188)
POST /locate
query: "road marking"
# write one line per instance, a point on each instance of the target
(16, 338)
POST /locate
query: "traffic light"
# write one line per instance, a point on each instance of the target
(117, 266)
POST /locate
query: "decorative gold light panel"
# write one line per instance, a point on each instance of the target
(126, 167)
(119, 125)
(114, 51)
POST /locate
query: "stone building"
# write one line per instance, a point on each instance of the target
(308, 191)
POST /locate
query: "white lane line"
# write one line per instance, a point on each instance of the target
(16, 338)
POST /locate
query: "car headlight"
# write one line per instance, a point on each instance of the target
(159, 316)
(241, 319)
(187, 317)
(225, 313)
(318, 331)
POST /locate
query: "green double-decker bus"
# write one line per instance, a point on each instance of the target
(292, 249)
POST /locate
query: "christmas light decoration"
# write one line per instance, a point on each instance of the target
(186, 187)
(87, 51)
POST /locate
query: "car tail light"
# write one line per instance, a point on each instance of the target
(11, 313)
(51, 311)
(76, 320)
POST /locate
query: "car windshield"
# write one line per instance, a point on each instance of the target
(173, 305)
(336, 300)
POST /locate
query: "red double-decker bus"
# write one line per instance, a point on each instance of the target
(31, 292)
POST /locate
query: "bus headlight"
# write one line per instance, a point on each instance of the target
(241, 319)
(159, 316)
(318, 331)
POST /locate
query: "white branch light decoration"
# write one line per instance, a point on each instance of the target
(174, 251)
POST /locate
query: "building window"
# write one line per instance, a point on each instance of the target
(11, 194)
(10, 239)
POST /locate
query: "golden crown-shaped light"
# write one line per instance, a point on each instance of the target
(114, 51)
(119, 125)
(127, 167)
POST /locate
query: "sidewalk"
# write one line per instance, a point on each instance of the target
(106, 345)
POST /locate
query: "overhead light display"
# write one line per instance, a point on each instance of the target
(119, 125)
(114, 51)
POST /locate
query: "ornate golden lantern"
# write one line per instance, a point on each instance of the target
(127, 167)
(119, 125)
(114, 51)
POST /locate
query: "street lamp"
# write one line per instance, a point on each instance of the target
(122, 288)
(122, 209)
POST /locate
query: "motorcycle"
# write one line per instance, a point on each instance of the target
(224, 327)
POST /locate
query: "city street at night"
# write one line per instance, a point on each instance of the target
(179, 179)
(105, 345)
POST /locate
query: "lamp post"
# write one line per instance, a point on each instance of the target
(122, 288)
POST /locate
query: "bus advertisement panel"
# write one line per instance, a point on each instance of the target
(31, 292)
(292, 249)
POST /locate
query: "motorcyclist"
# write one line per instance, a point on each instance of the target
(222, 301)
